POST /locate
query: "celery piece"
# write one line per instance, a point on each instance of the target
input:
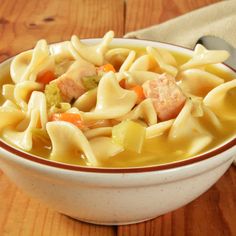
(130, 135)
(53, 95)
(90, 82)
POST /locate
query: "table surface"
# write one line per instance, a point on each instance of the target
(22, 23)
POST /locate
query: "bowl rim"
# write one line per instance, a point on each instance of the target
(120, 170)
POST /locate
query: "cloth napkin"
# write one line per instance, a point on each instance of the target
(218, 19)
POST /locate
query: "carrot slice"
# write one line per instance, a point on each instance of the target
(46, 77)
(107, 68)
(139, 92)
(68, 117)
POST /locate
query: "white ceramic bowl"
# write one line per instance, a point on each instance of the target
(116, 196)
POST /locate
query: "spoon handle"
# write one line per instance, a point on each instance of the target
(215, 43)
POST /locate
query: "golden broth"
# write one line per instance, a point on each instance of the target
(156, 150)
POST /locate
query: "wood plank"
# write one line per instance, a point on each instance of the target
(24, 22)
(142, 13)
(210, 214)
(213, 213)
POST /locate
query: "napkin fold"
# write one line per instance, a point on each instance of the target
(218, 19)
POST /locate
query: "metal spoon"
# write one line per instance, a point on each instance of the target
(215, 43)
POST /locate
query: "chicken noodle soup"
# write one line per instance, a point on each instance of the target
(116, 106)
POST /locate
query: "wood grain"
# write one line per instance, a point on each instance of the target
(142, 13)
(22, 23)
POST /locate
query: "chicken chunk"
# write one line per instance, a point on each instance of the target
(70, 84)
(167, 97)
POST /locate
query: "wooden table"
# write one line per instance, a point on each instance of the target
(24, 22)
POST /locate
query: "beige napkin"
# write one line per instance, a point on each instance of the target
(218, 19)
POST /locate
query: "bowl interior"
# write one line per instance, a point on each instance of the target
(227, 144)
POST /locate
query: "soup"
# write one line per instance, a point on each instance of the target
(116, 106)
